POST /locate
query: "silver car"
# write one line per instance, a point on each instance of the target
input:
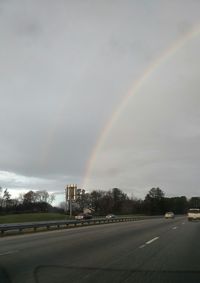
(169, 215)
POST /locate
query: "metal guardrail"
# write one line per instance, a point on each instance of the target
(66, 223)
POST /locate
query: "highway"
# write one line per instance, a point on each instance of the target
(155, 250)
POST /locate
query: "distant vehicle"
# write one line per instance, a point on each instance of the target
(110, 216)
(169, 215)
(193, 214)
(83, 216)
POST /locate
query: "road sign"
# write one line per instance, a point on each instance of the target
(71, 192)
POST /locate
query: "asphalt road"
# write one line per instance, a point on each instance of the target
(155, 250)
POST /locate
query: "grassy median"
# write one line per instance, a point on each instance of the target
(30, 217)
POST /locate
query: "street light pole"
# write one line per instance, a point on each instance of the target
(70, 208)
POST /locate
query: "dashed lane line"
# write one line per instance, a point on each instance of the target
(152, 240)
(9, 252)
(156, 238)
(142, 246)
(148, 242)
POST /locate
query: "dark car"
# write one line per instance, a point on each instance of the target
(83, 216)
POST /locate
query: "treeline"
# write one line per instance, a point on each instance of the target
(100, 202)
(39, 201)
(117, 202)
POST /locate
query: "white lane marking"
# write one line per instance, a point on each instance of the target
(142, 246)
(148, 242)
(9, 252)
(152, 240)
(174, 228)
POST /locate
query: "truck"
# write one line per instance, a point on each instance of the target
(193, 214)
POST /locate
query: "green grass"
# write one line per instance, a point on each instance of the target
(29, 217)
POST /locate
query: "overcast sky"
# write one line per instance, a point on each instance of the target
(65, 68)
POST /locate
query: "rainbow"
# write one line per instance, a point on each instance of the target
(162, 58)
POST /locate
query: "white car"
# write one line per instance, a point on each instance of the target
(110, 216)
(169, 215)
(193, 214)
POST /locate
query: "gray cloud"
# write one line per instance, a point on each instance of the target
(66, 65)
(156, 138)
